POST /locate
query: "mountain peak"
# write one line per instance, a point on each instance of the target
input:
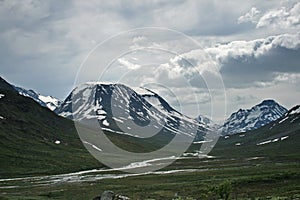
(101, 83)
(268, 102)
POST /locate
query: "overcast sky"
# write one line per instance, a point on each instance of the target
(252, 47)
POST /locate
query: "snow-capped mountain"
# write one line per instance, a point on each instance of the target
(253, 118)
(117, 106)
(47, 101)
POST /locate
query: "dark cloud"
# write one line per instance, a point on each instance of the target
(244, 71)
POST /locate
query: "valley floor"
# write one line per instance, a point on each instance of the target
(187, 178)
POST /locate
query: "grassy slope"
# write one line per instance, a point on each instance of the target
(28, 133)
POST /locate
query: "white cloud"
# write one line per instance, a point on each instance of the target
(282, 18)
(256, 62)
(251, 16)
(129, 65)
(293, 79)
(256, 48)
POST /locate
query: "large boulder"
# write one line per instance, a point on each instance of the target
(110, 195)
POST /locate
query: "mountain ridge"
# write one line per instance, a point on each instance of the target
(46, 101)
(254, 117)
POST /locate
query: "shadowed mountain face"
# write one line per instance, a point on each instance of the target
(253, 118)
(120, 109)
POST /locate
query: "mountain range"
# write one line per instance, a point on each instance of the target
(143, 104)
(35, 140)
(240, 121)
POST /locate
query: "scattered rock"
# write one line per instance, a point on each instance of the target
(107, 195)
(110, 195)
(121, 197)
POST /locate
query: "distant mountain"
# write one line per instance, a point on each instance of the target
(47, 101)
(253, 118)
(117, 106)
(35, 141)
(279, 138)
(204, 120)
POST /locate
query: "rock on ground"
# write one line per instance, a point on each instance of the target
(110, 195)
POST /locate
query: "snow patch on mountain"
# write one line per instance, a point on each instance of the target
(295, 111)
(46, 101)
(143, 91)
(51, 102)
(273, 140)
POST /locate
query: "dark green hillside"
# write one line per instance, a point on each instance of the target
(28, 133)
